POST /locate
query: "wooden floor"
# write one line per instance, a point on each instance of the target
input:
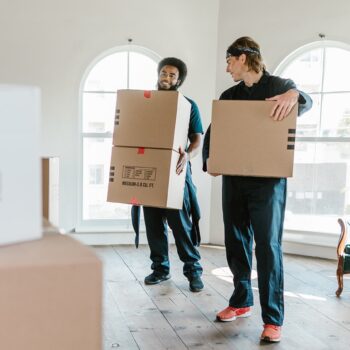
(169, 316)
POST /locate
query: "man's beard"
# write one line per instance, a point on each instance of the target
(171, 88)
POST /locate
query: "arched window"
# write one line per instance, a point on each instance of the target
(127, 67)
(319, 191)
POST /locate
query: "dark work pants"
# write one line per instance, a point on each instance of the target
(179, 221)
(253, 208)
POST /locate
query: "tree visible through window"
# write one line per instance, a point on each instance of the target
(319, 191)
(128, 68)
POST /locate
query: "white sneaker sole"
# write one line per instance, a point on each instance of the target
(247, 314)
(269, 340)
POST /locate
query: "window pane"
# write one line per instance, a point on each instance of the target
(98, 112)
(337, 72)
(306, 71)
(143, 72)
(96, 174)
(97, 155)
(318, 193)
(332, 160)
(308, 123)
(110, 74)
(336, 115)
(298, 207)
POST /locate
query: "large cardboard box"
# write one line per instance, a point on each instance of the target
(20, 176)
(154, 119)
(150, 126)
(50, 295)
(246, 141)
(145, 176)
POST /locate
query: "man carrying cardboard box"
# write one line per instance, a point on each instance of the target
(171, 74)
(253, 207)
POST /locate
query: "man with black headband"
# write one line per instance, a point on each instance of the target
(183, 223)
(253, 208)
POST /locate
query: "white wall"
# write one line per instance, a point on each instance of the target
(280, 27)
(51, 43)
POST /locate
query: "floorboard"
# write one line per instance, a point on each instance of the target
(169, 316)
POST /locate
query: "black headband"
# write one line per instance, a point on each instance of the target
(234, 51)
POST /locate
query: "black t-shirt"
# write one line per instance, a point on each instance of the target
(268, 86)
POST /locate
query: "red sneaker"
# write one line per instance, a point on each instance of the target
(271, 333)
(231, 313)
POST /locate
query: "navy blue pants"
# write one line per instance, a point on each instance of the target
(156, 220)
(253, 208)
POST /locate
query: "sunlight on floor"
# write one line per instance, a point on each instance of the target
(304, 296)
(224, 273)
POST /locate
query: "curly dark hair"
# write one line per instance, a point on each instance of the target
(175, 62)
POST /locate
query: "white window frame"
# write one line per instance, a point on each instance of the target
(320, 244)
(102, 225)
(315, 45)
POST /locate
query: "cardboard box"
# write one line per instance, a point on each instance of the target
(20, 175)
(50, 189)
(246, 141)
(154, 119)
(50, 295)
(145, 176)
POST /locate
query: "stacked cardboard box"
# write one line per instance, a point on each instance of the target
(50, 295)
(246, 141)
(150, 126)
(20, 191)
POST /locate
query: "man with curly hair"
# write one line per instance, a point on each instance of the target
(183, 223)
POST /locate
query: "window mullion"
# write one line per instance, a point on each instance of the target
(102, 135)
(322, 87)
(327, 139)
(128, 70)
(318, 139)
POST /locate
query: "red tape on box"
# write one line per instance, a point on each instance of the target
(147, 94)
(134, 201)
(140, 150)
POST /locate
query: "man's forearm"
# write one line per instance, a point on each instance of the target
(194, 147)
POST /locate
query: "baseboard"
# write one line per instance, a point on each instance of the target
(314, 244)
(111, 238)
